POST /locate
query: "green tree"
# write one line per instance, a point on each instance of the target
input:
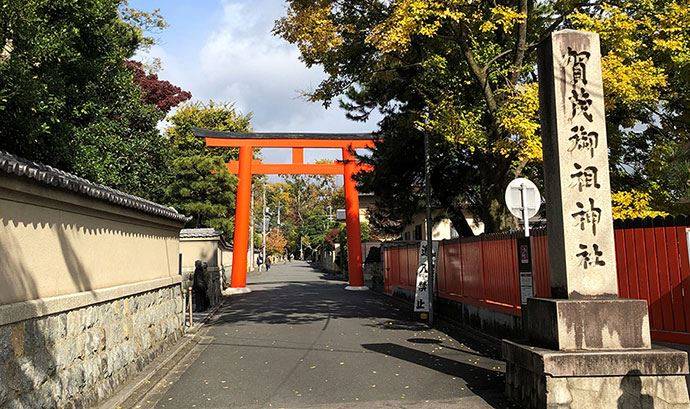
(463, 72)
(204, 189)
(312, 201)
(67, 98)
(201, 185)
(217, 116)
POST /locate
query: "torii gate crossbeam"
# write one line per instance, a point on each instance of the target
(246, 166)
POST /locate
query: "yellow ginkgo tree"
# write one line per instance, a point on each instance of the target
(463, 71)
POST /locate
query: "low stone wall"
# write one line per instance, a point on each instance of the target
(77, 357)
(496, 323)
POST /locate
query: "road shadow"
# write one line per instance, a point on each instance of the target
(295, 303)
(296, 299)
(482, 382)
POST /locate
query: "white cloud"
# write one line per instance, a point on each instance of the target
(241, 61)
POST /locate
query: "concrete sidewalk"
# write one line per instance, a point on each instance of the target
(300, 340)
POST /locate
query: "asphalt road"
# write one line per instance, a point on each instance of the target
(301, 340)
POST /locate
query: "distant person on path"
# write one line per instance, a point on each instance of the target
(259, 261)
(199, 288)
(268, 263)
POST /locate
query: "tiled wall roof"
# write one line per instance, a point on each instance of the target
(50, 176)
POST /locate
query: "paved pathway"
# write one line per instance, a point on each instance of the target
(300, 340)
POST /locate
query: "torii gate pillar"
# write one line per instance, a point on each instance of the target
(240, 242)
(352, 225)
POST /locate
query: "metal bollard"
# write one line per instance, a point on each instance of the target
(191, 317)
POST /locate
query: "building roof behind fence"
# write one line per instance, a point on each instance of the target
(50, 176)
(205, 233)
(199, 233)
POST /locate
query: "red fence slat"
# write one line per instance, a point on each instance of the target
(641, 259)
(664, 279)
(631, 263)
(684, 255)
(623, 286)
(654, 297)
(674, 275)
(540, 267)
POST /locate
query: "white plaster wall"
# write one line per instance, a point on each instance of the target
(56, 243)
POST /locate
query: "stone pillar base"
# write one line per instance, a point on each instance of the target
(543, 378)
(236, 290)
(356, 288)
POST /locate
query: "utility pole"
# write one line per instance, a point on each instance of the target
(301, 224)
(429, 227)
(279, 205)
(277, 197)
(263, 227)
(251, 231)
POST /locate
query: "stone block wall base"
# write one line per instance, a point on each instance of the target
(77, 358)
(631, 391)
(543, 379)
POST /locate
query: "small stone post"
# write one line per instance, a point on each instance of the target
(586, 347)
(190, 308)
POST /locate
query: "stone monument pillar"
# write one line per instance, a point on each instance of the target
(586, 348)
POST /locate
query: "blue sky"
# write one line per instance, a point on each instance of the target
(224, 50)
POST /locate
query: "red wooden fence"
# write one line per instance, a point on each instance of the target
(401, 266)
(651, 258)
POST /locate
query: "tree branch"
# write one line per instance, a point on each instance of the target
(479, 72)
(521, 46)
(526, 47)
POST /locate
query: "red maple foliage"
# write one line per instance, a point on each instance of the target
(160, 93)
(331, 236)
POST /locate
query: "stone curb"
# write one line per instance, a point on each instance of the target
(198, 325)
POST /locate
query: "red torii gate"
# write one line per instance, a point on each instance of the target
(247, 166)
